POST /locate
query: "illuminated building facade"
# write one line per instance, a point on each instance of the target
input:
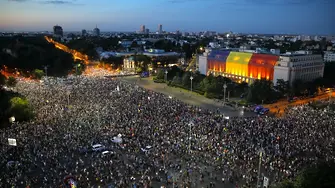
(240, 65)
(246, 67)
(129, 64)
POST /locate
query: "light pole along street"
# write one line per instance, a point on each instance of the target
(224, 94)
(191, 78)
(166, 72)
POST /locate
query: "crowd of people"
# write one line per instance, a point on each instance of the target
(161, 140)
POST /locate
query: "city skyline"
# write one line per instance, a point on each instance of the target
(242, 16)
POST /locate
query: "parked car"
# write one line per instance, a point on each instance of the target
(98, 147)
(144, 74)
(258, 109)
(264, 111)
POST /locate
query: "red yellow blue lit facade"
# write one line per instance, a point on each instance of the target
(241, 65)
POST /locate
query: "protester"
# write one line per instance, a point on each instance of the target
(153, 139)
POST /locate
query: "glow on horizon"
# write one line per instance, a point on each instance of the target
(262, 16)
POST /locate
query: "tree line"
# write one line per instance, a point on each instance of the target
(259, 91)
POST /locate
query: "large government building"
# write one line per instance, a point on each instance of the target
(247, 67)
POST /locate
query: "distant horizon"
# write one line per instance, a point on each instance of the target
(151, 32)
(302, 17)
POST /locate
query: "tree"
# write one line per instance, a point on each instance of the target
(209, 84)
(176, 80)
(79, 67)
(30, 53)
(261, 91)
(320, 175)
(311, 88)
(285, 184)
(11, 81)
(186, 78)
(329, 76)
(38, 73)
(20, 109)
(298, 88)
(315, 176)
(174, 71)
(160, 74)
(116, 62)
(187, 50)
(2, 80)
(134, 44)
(142, 62)
(282, 87)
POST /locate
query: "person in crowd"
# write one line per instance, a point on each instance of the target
(148, 139)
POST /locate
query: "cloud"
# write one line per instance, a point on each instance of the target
(17, 0)
(57, 2)
(48, 2)
(259, 2)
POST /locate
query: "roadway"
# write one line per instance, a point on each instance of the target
(278, 108)
(186, 96)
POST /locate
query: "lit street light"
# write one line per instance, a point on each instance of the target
(191, 78)
(166, 72)
(46, 71)
(224, 94)
(68, 98)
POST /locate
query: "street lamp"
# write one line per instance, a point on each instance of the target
(191, 78)
(46, 71)
(68, 98)
(166, 72)
(224, 93)
(77, 66)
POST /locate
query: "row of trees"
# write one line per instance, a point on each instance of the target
(260, 91)
(88, 45)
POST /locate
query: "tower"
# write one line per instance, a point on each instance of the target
(160, 28)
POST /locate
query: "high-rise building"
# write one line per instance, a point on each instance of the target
(83, 32)
(58, 31)
(160, 28)
(142, 29)
(147, 31)
(96, 31)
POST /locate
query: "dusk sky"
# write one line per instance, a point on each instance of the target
(246, 16)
